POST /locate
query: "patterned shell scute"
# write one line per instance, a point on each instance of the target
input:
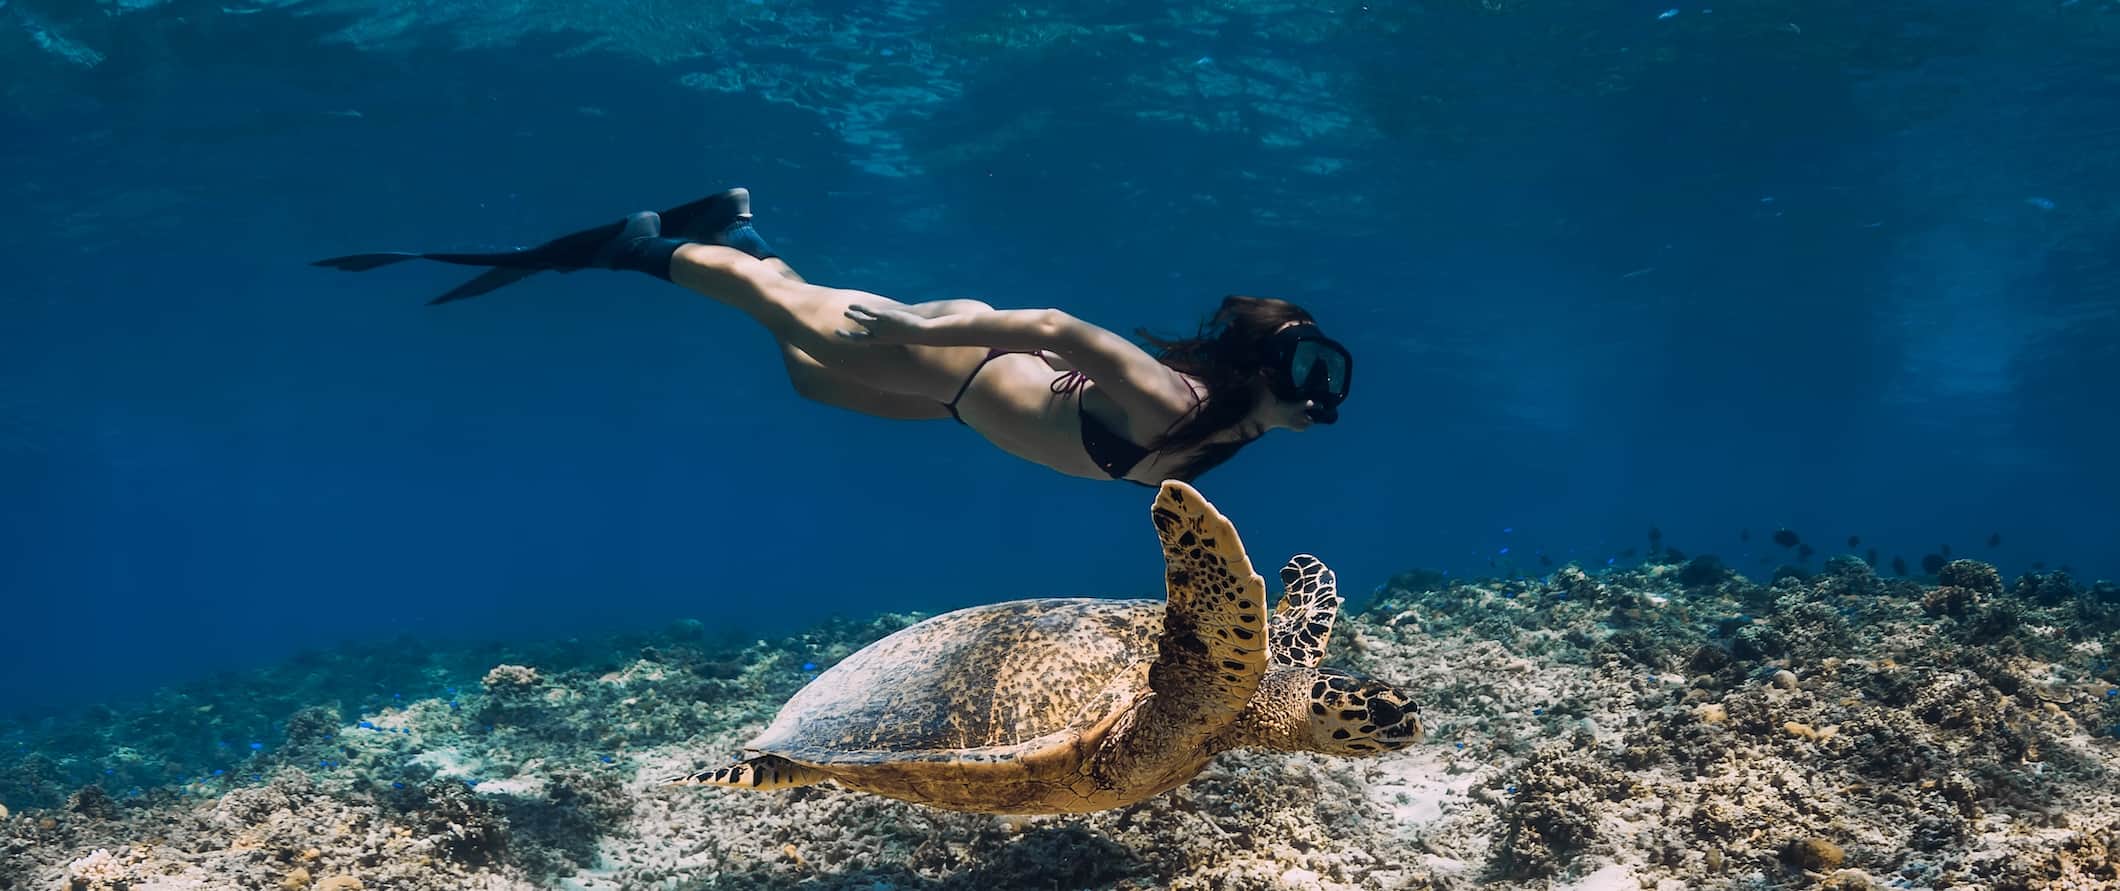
(993, 675)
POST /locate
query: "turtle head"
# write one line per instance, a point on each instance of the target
(1328, 711)
(1355, 715)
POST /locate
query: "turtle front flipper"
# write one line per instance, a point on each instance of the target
(1213, 649)
(764, 773)
(1302, 622)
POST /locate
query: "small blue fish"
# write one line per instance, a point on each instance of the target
(1666, 14)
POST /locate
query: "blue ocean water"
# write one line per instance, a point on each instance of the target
(1845, 269)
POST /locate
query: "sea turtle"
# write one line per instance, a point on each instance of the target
(1068, 705)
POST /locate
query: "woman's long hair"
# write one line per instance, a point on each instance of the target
(1228, 356)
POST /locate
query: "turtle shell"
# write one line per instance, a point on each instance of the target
(986, 676)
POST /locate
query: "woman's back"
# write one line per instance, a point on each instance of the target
(1033, 406)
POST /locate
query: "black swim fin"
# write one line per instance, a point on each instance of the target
(490, 280)
(699, 220)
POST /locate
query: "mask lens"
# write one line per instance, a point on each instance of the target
(1319, 370)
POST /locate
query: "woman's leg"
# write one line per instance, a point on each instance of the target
(817, 383)
(804, 318)
(931, 309)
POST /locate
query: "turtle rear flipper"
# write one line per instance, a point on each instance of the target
(1213, 649)
(764, 773)
(1302, 623)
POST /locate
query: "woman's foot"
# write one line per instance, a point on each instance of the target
(701, 220)
(723, 218)
(640, 246)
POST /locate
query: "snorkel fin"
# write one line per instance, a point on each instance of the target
(699, 220)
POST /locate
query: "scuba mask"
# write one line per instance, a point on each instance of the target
(1304, 364)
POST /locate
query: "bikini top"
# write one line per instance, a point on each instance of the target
(1111, 452)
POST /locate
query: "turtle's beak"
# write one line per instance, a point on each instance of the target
(1397, 717)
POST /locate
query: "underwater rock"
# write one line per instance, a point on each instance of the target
(1554, 814)
(510, 680)
(1419, 581)
(1758, 642)
(1810, 628)
(1948, 600)
(312, 726)
(514, 694)
(1706, 570)
(97, 871)
(1855, 575)
(2049, 589)
(1788, 573)
(92, 802)
(1578, 584)
(1971, 575)
(554, 832)
(1848, 880)
(1816, 854)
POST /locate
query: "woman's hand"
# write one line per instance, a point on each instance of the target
(883, 325)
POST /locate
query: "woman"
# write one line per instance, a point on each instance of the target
(1039, 383)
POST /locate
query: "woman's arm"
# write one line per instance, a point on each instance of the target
(1127, 373)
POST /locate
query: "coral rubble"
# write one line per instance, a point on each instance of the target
(1671, 726)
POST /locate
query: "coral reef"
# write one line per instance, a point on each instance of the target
(1671, 726)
